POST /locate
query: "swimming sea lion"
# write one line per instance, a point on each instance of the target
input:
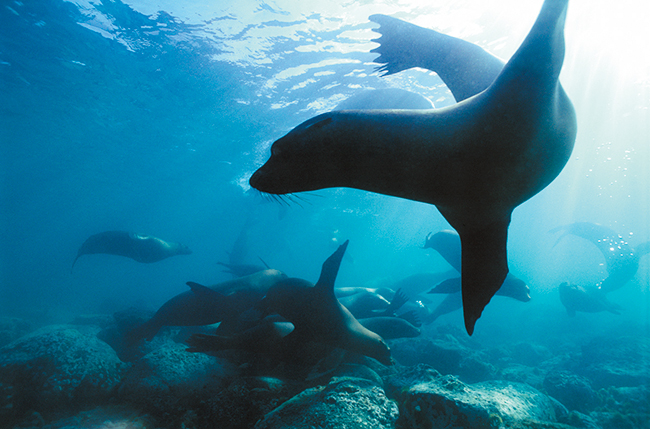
(371, 304)
(447, 243)
(241, 270)
(204, 305)
(589, 300)
(390, 328)
(476, 160)
(141, 248)
(318, 316)
(621, 259)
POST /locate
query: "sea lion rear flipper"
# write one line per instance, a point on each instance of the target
(484, 268)
(451, 285)
(331, 269)
(399, 299)
(464, 67)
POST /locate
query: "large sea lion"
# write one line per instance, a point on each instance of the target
(621, 259)
(141, 248)
(477, 160)
(204, 305)
(318, 316)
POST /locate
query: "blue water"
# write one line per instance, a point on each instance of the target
(150, 117)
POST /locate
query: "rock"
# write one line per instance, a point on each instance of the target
(529, 354)
(444, 355)
(574, 391)
(241, 403)
(445, 401)
(12, 328)
(164, 380)
(344, 403)
(523, 374)
(616, 361)
(56, 367)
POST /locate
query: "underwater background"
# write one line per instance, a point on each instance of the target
(150, 116)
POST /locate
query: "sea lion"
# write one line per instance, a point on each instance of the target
(390, 328)
(141, 248)
(241, 270)
(204, 305)
(451, 303)
(589, 300)
(318, 316)
(621, 259)
(448, 244)
(371, 304)
(476, 160)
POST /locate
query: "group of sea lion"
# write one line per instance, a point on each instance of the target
(508, 136)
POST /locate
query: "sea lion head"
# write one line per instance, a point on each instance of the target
(308, 158)
(372, 345)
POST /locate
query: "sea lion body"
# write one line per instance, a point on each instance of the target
(141, 248)
(448, 244)
(318, 316)
(207, 305)
(621, 259)
(476, 160)
(588, 300)
(390, 328)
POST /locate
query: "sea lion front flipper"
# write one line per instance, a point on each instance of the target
(464, 67)
(484, 268)
(331, 269)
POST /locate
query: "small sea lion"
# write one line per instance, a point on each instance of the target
(241, 270)
(141, 248)
(204, 305)
(477, 160)
(447, 243)
(390, 328)
(318, 316)
(371, 304)
(621, 259)
(588, 300)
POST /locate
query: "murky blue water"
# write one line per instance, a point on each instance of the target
(151, 116)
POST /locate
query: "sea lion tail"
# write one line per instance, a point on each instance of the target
(451, 285)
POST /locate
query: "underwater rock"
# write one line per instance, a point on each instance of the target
(444, 355)
(240, 403)
(529, 354)
(523, 374)
(444, 401)
(12, 328)
(616, 361)
(107, 416)
(164, 379)
(53, 368)
(343, 403)
(574, 391)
